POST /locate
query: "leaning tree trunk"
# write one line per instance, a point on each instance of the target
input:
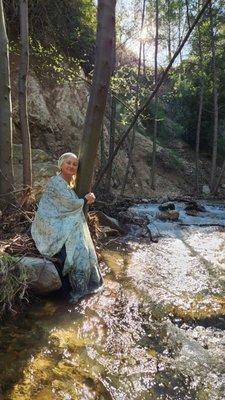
(98, 96)
(6, 165)
(23, 74)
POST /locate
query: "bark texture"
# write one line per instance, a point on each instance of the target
(6, 166)
(98, 96)
(23, 75)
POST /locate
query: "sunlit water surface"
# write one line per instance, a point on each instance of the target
(157, 331)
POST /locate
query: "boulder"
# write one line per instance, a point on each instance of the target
(171, 215)
(42, 274)
(37, 155)
(167, 206)
(194, 206)
(106, 221)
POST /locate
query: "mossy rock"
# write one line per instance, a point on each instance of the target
(37, 154)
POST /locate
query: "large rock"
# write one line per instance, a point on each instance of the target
(170, 215)
(194, 206)
(42, 274)
(37, 155)
(110, 222)
(167, 206)
(43, 166)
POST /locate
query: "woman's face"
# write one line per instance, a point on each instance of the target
(69, 166)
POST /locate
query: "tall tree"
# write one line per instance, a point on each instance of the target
(132, 143)
(6, 165)
(98, 96)
(215, 97)
(200, 106)
(156, 97)
(23, 75)
(154, 91)
(169, 38)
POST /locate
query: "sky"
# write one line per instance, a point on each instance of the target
(128, 16)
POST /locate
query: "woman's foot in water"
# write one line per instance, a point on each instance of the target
(75, 297)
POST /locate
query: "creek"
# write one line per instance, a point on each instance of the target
(156, 331)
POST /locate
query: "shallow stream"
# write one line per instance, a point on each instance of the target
(157, 330)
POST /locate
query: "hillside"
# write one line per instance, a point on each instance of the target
(56, 115)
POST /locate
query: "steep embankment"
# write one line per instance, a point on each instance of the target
(56, 115)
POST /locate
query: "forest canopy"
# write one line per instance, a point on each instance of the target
(68, 24)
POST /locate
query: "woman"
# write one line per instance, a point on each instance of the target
(60, 227)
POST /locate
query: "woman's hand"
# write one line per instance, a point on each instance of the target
(90, 197)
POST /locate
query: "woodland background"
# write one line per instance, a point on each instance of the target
(177, 145)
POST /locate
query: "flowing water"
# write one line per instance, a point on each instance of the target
(156, 331)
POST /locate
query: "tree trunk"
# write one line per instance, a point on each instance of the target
(215, 101)
(102, 148)
(132, 143)
(111, 140)
(198, 131)
(23, 74)
(153, 93)
(98, 96)
(112, 130)
(6, 157)
(187, 13)
(144, 61)
(156, 97)
(179, 31)
(169, 32)
(201, 94)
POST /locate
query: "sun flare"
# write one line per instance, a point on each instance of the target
(143, 35)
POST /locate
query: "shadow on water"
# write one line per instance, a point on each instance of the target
(217, 322)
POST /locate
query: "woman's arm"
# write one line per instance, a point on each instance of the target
(64, 195)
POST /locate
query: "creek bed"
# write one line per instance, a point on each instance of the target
(156, 331)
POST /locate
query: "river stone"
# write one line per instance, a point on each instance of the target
(192, 213)
(194, 206)
(167, 206)
(42, 274)
(171, 215)
(107, 221)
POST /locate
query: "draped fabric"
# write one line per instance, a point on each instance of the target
(60, 221)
